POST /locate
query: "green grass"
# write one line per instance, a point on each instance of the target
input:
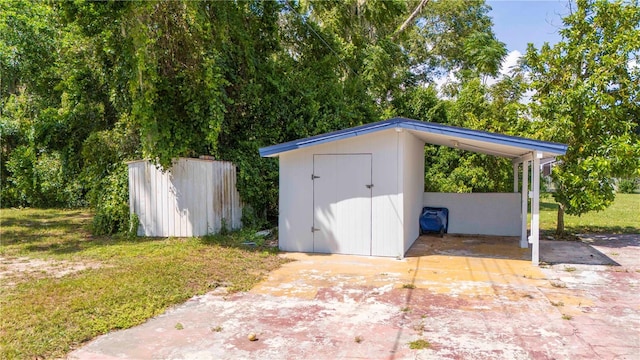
(45, 316)
(620, 218)
(419, 344)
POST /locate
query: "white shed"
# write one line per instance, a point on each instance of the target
(361, 190)
(193, 198)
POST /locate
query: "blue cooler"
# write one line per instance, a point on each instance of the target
(434, 219)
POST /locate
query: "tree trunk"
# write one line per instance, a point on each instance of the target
(560, 225)
(412, 17)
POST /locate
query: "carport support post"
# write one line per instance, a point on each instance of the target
(524, 243)
(535, 210)
(515, 177)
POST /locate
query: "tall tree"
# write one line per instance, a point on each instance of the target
(495, 108)
(587, 96)
(86, 85)
(29, 37)
(392, 46)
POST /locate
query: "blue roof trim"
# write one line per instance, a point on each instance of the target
(427, 127)
(327, 137)
(494, 138)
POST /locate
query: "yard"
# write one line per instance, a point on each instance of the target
(60, 286)
(620, 218)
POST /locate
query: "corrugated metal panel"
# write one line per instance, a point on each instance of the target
(191, 199)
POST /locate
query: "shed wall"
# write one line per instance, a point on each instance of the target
(191, 199)
(479, 213)
(296, 192)
(413, 187)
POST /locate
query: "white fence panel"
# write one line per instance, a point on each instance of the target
(194, 198)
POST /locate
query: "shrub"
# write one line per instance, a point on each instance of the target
(627, 186)
(39, 179)
(112, 208)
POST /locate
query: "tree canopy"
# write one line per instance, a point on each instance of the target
(587, 95)
(87, 85)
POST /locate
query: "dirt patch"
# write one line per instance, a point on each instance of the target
(16, 269)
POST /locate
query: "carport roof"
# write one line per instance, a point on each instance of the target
(433, 133)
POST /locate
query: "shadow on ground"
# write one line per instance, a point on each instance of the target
(572, 252)
(69, 232)
(506, 247)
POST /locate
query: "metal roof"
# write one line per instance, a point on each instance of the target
(433, 133)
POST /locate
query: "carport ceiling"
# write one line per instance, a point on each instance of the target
(477, 141)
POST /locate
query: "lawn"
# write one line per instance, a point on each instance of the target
(60, 286)
(623, 217)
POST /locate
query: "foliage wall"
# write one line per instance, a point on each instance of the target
(85, 86)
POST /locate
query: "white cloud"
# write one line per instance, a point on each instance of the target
(510, 62)
(443, 80)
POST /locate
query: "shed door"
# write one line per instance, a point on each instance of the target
(342, 204)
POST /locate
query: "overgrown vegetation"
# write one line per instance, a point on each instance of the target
(87, 85)
(131, 280)
(112, 205)
(628, 186)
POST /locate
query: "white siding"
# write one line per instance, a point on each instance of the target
(480, 213)
(295, 202)
(342, 204)
(191, 199)
(413, 187)
(296, 192)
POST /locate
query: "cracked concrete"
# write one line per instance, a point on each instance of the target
(469, 298)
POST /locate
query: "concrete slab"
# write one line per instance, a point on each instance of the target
(467, 297)
(622, 248)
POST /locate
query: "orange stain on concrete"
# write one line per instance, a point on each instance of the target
(453, 265)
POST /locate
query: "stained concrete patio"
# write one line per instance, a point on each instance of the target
(468, 297)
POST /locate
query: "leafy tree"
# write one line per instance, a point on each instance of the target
(86, 85)
(28, 42)
(587, 96)
(478, 106)
(456, 36)
(485, 54)
(393, 46)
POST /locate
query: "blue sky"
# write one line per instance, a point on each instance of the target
(517, 23)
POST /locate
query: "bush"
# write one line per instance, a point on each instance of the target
(39, 179)
(627, 186)
(112, 208)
